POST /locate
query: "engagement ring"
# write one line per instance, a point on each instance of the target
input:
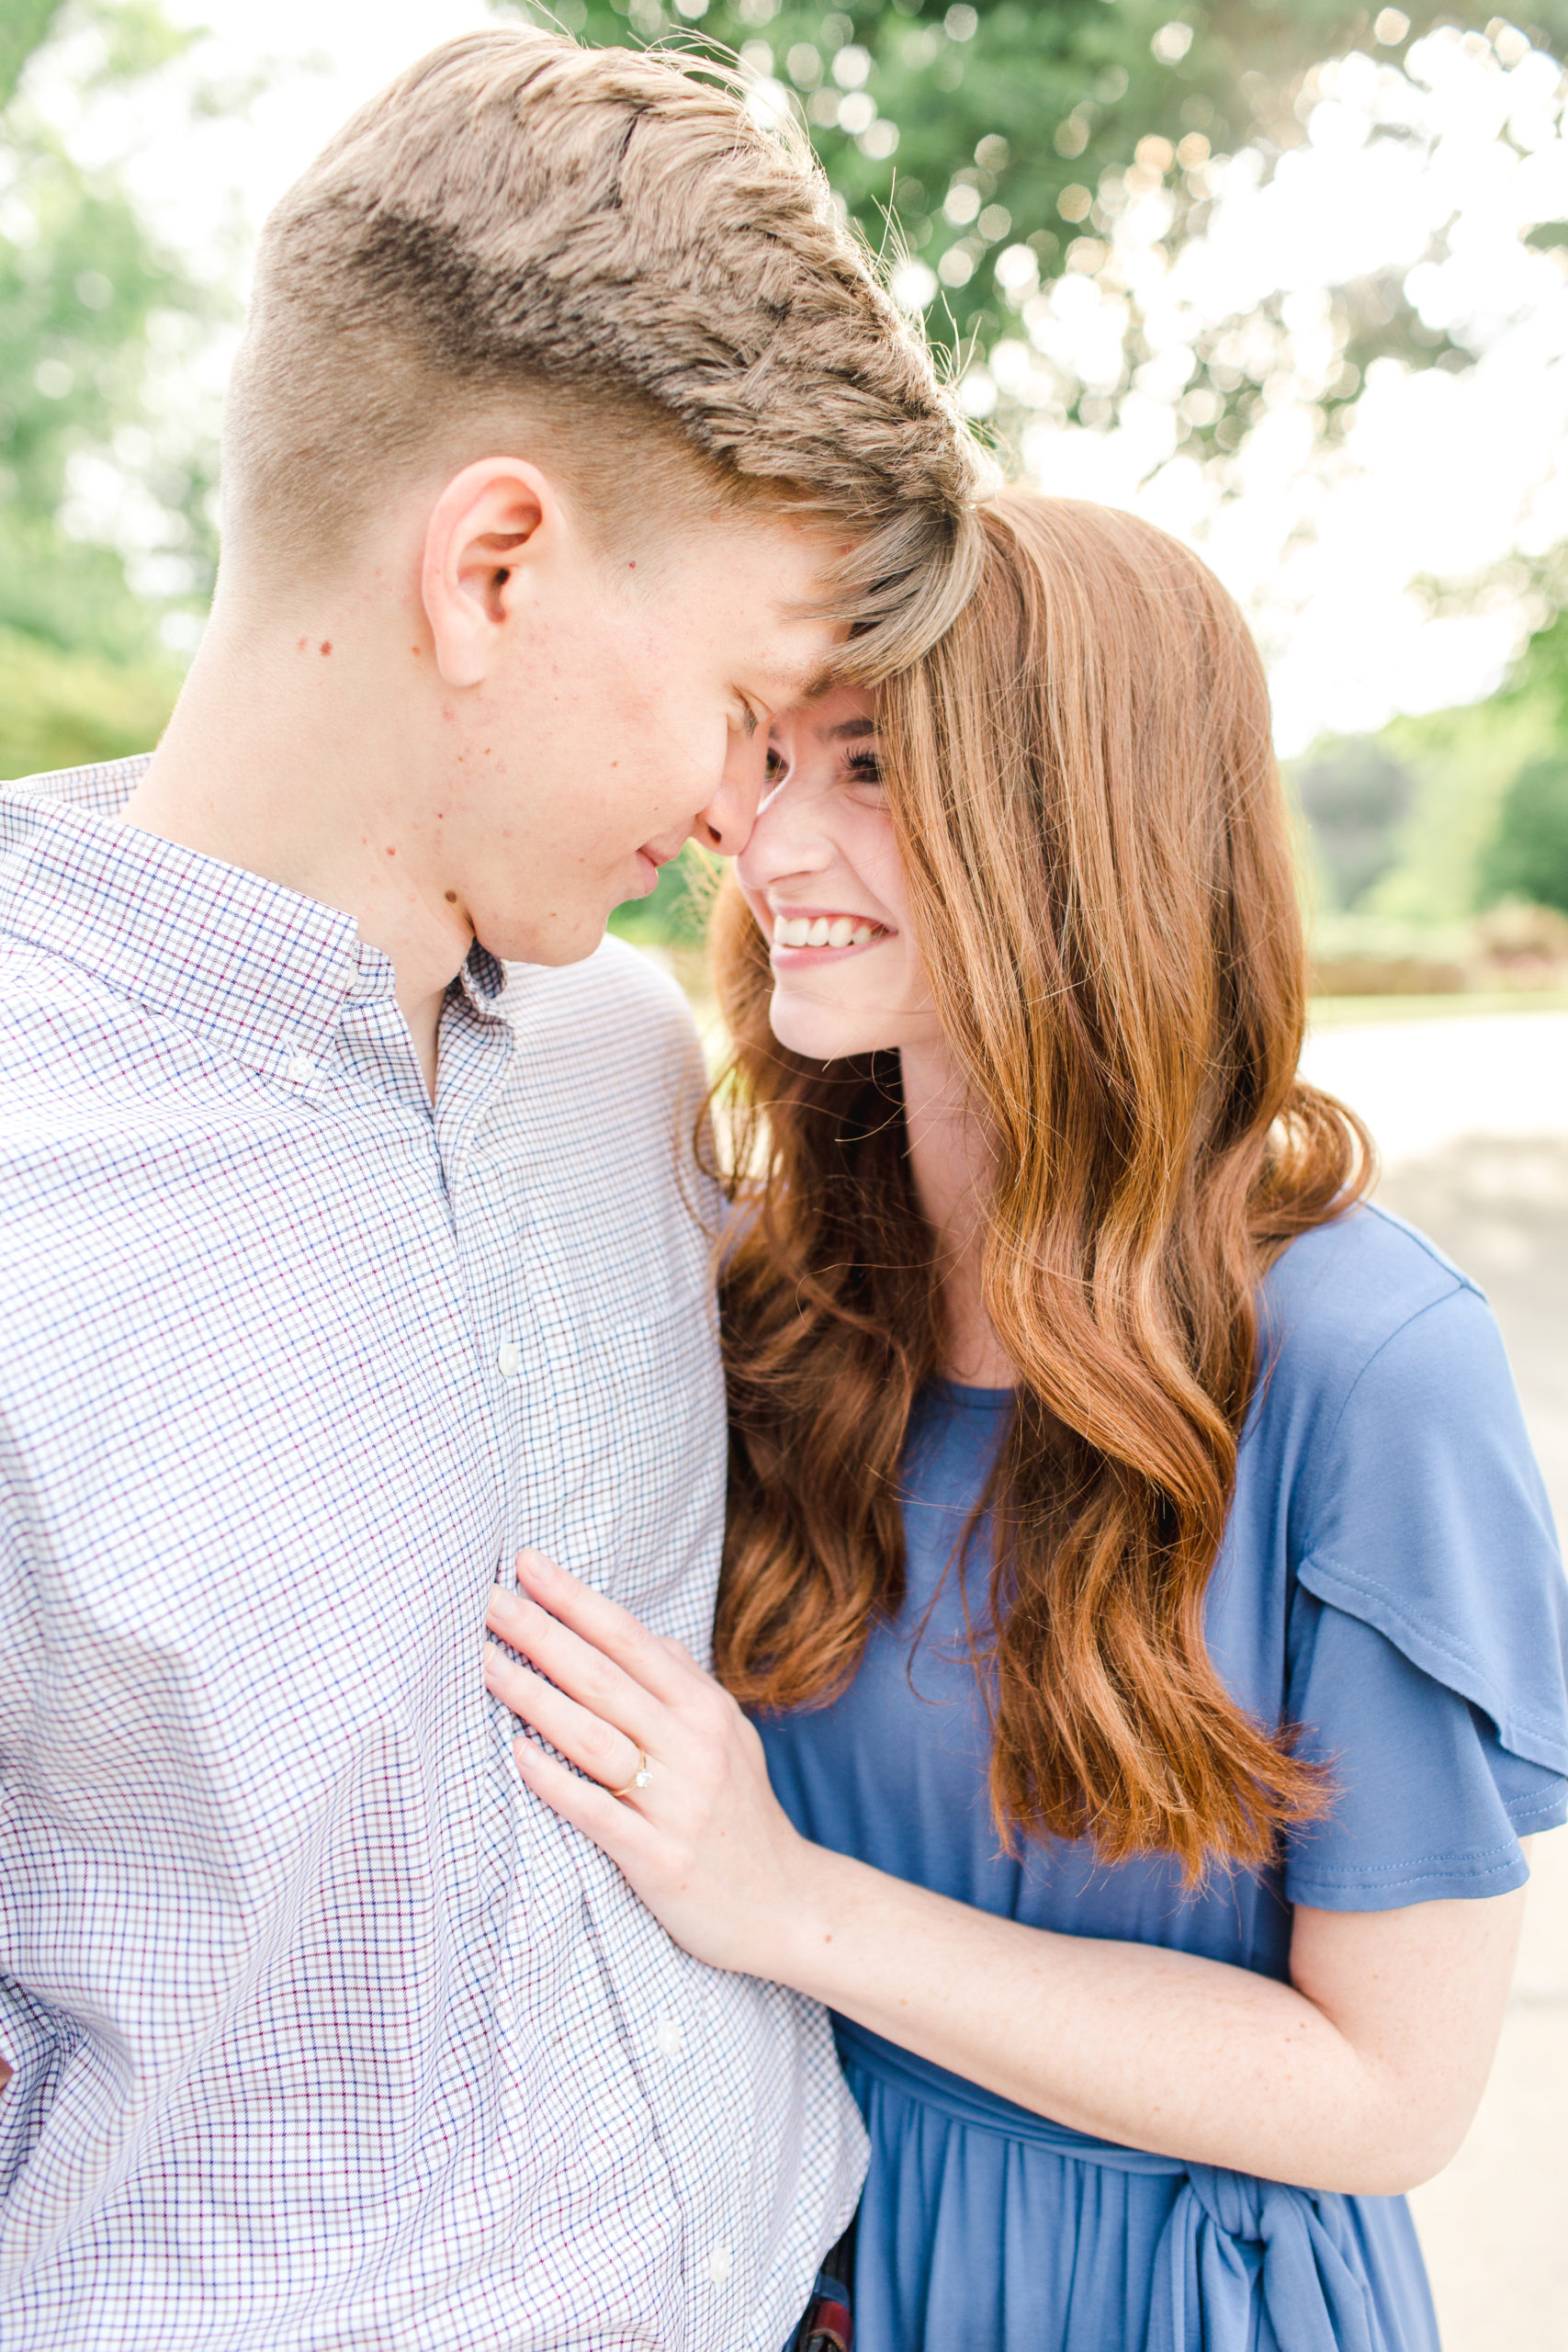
(640, 1779)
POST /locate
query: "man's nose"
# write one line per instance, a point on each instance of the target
(726, 824)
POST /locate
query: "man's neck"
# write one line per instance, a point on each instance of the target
(303, 764)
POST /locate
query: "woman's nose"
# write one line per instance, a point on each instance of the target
(786, 839)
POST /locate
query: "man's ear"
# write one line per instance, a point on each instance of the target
(495, 517)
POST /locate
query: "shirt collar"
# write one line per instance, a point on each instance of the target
(482, 979)
(263, 971)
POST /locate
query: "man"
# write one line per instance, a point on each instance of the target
(570, 440)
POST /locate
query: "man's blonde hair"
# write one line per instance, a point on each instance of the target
(611, 247)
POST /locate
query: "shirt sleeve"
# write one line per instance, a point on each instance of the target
(1428, 1663)
(35, 2041)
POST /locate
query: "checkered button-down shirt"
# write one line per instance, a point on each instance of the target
(324, 2034)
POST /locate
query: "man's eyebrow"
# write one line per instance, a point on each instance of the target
(792, 693)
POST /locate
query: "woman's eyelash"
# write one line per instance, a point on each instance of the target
(864, 767)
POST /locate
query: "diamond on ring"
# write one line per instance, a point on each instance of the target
(641, 1778)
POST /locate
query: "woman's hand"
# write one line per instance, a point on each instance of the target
(1360, 2074)
(705, 1844)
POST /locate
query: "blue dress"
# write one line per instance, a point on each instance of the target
(1389, 1581)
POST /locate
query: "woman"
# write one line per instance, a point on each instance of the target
(1137, 1566)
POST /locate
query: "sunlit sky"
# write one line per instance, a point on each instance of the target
(1443, 476)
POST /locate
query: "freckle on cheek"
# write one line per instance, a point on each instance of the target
(451, 898)
(326, 645)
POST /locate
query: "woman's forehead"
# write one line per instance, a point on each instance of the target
(843, 714)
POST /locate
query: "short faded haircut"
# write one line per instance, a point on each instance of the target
(606, 247)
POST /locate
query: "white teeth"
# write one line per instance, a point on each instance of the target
(823, 930)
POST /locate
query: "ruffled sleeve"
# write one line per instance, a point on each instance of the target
(1428, 1641)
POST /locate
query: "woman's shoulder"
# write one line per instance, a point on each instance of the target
(1362, 1290)
(1388, 1428)
(1386, 1416)
(1359, 1277)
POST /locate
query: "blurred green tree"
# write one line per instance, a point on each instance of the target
(84, 298)
(1527, 855)
(23, 27)
(1478, 823)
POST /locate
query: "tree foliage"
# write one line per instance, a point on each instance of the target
(1527, 856)
(23, 27)
(59, 710)
(85, 299)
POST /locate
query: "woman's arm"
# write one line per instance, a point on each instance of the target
(1360, 2074)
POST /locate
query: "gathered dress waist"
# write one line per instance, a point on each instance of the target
(1243, 2265)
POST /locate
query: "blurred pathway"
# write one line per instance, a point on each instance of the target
(1424, 1084)
(1471, 1116)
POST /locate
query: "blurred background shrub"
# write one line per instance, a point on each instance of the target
(1528, 852)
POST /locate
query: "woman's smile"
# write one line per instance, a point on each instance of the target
(810, 935)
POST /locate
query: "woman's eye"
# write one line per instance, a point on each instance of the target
(778, 766)
(864, 768)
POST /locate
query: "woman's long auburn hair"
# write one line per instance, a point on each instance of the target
(1100, 879)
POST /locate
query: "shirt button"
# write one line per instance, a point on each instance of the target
(301, 1069)
(669, 2036)
(509, 1358)
(721, 2262)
